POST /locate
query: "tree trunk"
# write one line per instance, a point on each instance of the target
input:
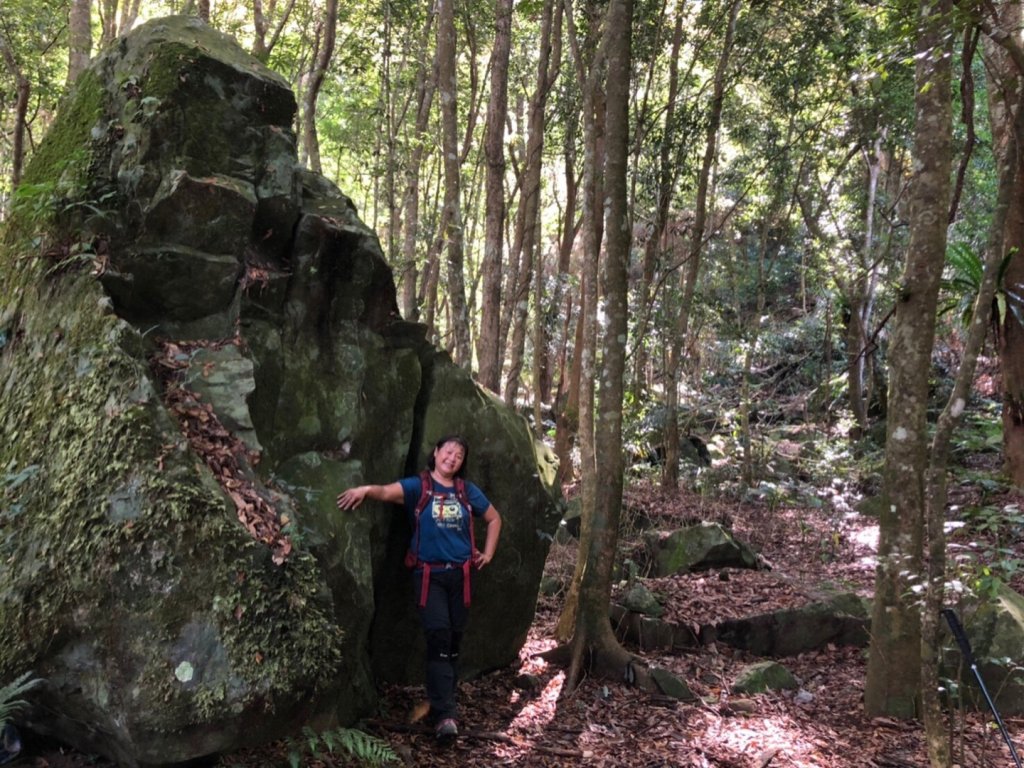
(1008, 158)
(390, 112)
(567, 400)
(451, 228)
(79, 38)
(262, 17)
(588, 67)
(204, 10)
(325, 51)
(593, 639)
(426, 81)
(129, 15)
(670, 469)
(1011, 332)
(526, 242)
(23, 89)
(668, 172)
(488, 351)
(108, 21)
(894, 665)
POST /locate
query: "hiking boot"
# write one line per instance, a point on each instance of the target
(446, 732)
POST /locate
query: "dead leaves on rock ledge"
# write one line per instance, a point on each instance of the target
(222, 451)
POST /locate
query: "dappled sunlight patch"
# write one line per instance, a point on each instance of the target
(539, 711)
(763, 739)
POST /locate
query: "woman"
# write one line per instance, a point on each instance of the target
(440, 504)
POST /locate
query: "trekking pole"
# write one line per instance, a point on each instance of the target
(965, 649)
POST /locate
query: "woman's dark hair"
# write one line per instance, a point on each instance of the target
(451, 439)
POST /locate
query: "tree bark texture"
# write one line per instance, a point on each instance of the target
(452, 226)
(593, 638)
(1007, 158)
(426, 83)
(894, 665)
(79, 38)
(668, 172)
(527, 231)
(1003, 30)
(670, 469)
(588, 69)
(488, 349)
(23, 89)
(325, 52)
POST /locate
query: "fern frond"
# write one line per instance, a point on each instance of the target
(9, 704)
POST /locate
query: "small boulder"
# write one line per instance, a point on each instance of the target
(640, 599)
(697, 547)
(764, 676)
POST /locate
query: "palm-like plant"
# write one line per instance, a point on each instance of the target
(10, 704)
(965, 270)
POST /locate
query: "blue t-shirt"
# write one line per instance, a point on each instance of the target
(444, 522)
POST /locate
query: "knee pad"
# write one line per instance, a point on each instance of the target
(439, 645)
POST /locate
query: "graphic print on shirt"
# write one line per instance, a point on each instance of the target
(447, 512)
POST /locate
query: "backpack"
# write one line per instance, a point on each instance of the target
(412, 559)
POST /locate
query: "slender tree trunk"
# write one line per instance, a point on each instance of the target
(23, 89)
(204, 10)
(894, 665)
(262, 18)
(426, 81)
(326, 37)
(79, 38)
(588, 68)
(260, 26)
(568, 397)
(488, 351)
(389, 110)
(593, 639)
(670, 469)
(668, 172)
(108, 21)
(129, 15)
(526, 243)
(452, 226)
(1008, 158)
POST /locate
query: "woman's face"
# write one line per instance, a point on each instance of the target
(449, 457)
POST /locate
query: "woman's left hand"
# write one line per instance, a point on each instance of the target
(481, 559)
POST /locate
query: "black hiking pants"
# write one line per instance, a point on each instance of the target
(443, 618)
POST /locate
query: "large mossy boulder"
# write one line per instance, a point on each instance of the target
(200, 347)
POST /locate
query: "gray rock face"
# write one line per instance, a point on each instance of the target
(182, 404)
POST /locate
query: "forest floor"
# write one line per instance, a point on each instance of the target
(604, 723)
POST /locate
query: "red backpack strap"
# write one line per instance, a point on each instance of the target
(426, 493)
(463, 497)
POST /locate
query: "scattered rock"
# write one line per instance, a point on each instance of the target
(764, 676)
(640, 599)
(697, 547)
(843, 620)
